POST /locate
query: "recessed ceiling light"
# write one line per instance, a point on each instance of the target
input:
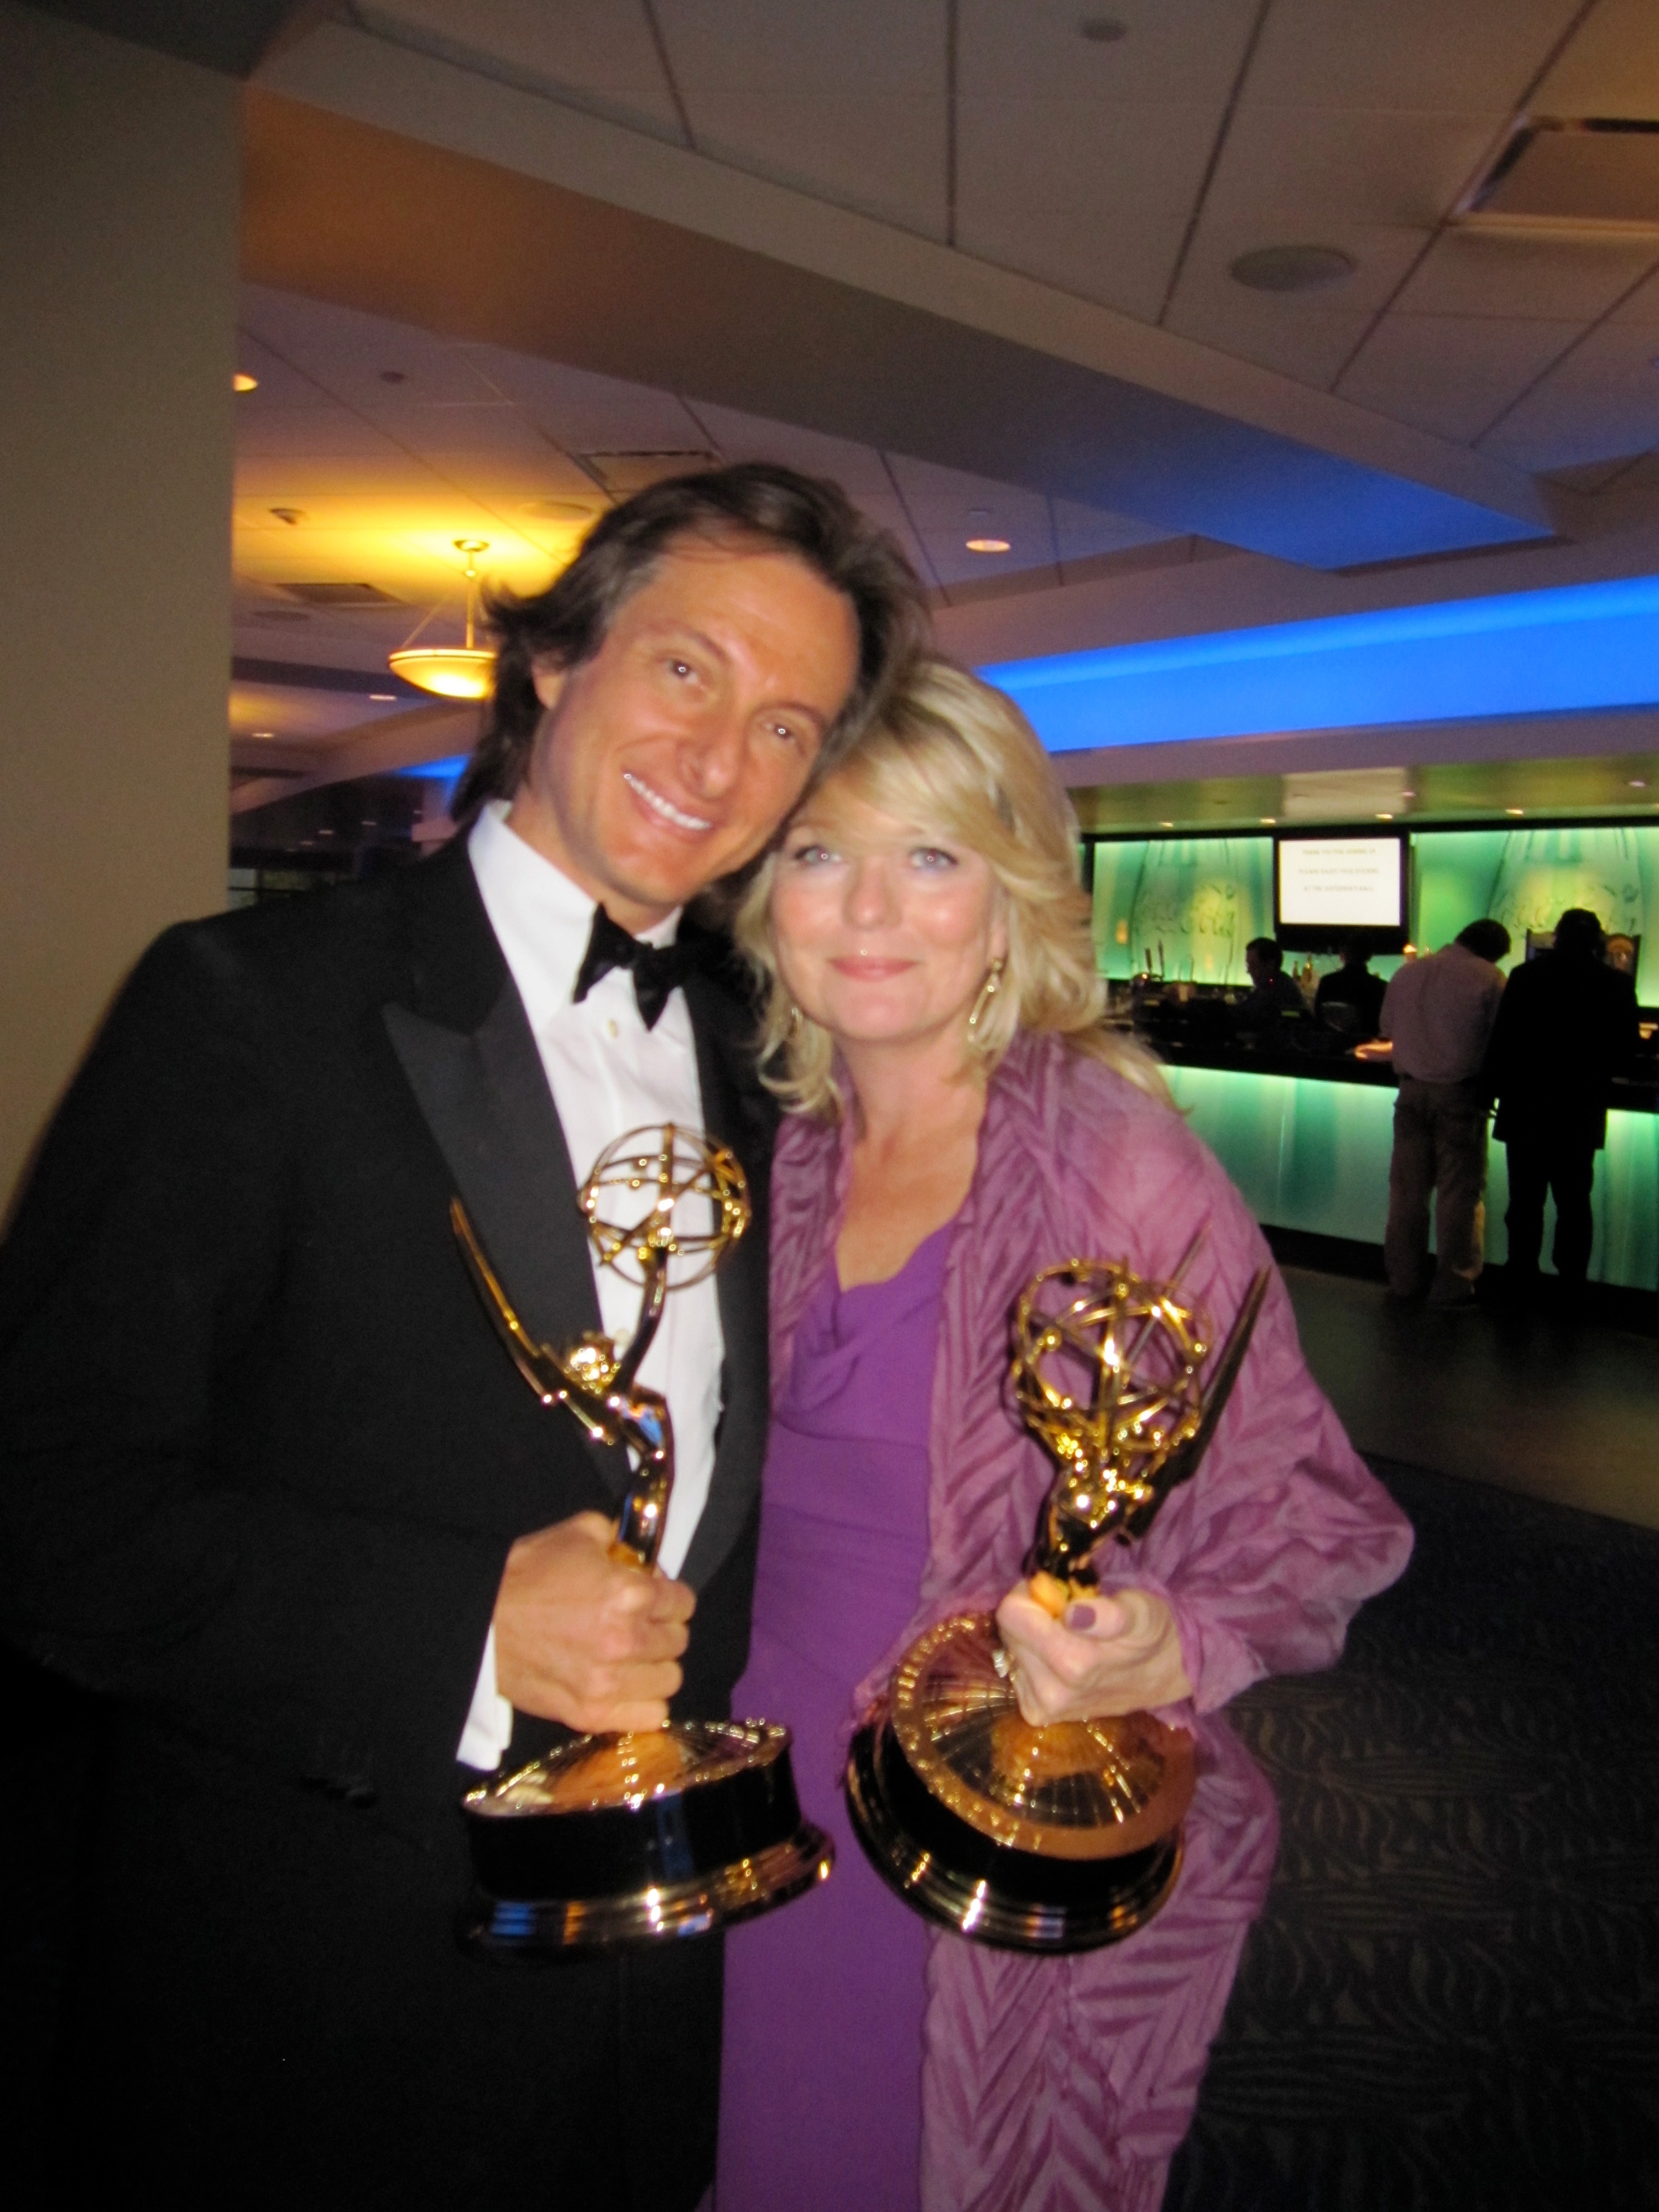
(243, 382)
(1293, 268)
(261, 734)
(1639, 783)
(1102, 30)
(1268, 820)
(988, 545)
(1166, 825)
(1514, 809)
(1385, 818)
(1408, 794)
(384, 698)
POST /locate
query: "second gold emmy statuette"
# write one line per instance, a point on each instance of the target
(670, 1831)
(1066, 1837)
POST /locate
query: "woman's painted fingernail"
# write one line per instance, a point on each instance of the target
(1079, 1616)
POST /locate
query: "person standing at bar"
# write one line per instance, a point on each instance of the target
(1440, 1012)
(1353, 986)
(1565, 1028)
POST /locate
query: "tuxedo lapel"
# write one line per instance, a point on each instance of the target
(483, 1092)
(741, 1116)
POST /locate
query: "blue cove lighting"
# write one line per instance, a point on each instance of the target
(438, 771)
(1570, 648)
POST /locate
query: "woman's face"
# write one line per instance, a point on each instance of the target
(885, 928)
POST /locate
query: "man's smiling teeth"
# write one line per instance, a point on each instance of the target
(655, 800)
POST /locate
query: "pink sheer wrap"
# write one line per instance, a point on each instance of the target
(1064, 2084)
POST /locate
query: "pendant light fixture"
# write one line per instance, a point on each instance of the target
(453, 671)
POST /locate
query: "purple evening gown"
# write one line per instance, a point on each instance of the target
(821, 2086)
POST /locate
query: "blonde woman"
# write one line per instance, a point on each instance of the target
(960, 1119)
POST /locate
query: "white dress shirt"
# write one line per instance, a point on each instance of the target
(1439, 1011)
(608, 1073)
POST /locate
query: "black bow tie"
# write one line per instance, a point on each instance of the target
(658, 968)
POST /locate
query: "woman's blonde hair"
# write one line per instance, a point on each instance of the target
(951, 753)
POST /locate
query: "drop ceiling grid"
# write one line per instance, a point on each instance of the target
(388, 475)
(1079, 163)
(848, 101)
(1365, 144)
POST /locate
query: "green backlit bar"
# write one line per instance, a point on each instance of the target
(1313, 1155)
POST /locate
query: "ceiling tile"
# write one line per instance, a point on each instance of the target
(1309, 346)
(307, 433)
(848, 101)
(1094, 200)
(1305, 334)
(495, 427)
(1177, 52)
(598, 53)
(1643, 305)
(858, 469)
(948, 508)
(1601, 401)
(1472, 55)
(281, 384)
(1469, 272)
(1298, 169)
(585, 413)
(1450, 374)
(304, 478)
(361, 359)
(1610, 68)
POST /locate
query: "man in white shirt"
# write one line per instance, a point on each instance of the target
(268, 1483)
(1439, 1011)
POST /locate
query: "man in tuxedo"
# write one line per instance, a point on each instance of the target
(269, 1484)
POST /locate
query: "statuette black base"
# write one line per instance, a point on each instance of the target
(639, 1839)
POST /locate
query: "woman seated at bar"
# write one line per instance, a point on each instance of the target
(960, 1120)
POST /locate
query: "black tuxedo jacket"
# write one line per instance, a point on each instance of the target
(1566, 1026)
(263, 1459)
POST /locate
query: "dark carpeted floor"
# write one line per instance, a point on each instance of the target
(1452, 1999)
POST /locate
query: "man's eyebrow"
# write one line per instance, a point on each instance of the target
(671, 626)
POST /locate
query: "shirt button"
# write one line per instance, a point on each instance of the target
(610, 1028)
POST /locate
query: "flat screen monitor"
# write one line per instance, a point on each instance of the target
(1327, 889)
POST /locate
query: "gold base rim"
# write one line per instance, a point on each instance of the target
(973, 1907)
(512, 1928)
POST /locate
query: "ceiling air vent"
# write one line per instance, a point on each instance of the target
(340, 595)
(1595, 173)
(624, 473)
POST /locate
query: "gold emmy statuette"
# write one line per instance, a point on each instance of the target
(1063, 1838)
(675, 1831)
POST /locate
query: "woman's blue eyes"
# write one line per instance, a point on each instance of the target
(931, 857)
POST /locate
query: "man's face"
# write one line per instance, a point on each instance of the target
(1255, 966)
(671, 756)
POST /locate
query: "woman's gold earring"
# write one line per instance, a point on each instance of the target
(987, 990)
(796, 1023)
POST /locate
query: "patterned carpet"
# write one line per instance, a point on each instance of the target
(1452, 2001)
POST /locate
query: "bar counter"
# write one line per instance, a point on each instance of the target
(1305, 1131)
